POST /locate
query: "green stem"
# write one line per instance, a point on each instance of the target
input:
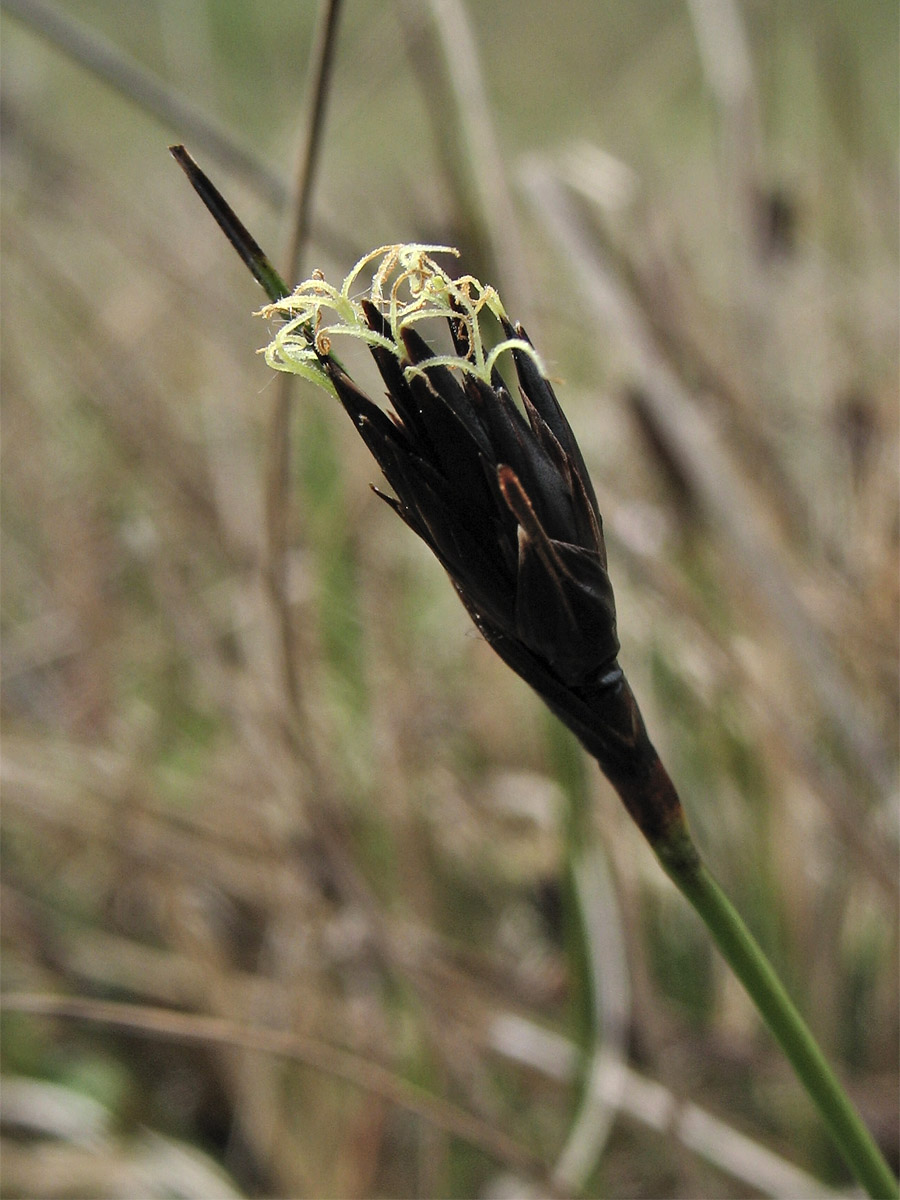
(751, 966)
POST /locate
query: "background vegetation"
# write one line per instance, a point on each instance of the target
(379, 928)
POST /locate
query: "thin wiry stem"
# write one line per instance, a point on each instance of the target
(279, 442)
(322, 60)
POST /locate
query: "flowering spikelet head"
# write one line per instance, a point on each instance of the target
(499, 493)
(502, 499)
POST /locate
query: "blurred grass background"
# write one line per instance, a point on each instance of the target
(420, 916)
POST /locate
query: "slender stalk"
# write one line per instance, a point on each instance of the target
(321, 66)
(749, 963)
(278, 440)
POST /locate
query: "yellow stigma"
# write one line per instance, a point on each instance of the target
(407, 287)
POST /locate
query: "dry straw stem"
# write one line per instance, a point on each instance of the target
(278, 458)
(63, 1142)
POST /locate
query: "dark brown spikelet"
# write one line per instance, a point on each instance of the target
(505, 502)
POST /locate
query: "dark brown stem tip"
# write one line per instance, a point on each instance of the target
(617, 737)
(667, 828)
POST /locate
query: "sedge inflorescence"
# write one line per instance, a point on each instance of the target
(498, 490)
(408, 287)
